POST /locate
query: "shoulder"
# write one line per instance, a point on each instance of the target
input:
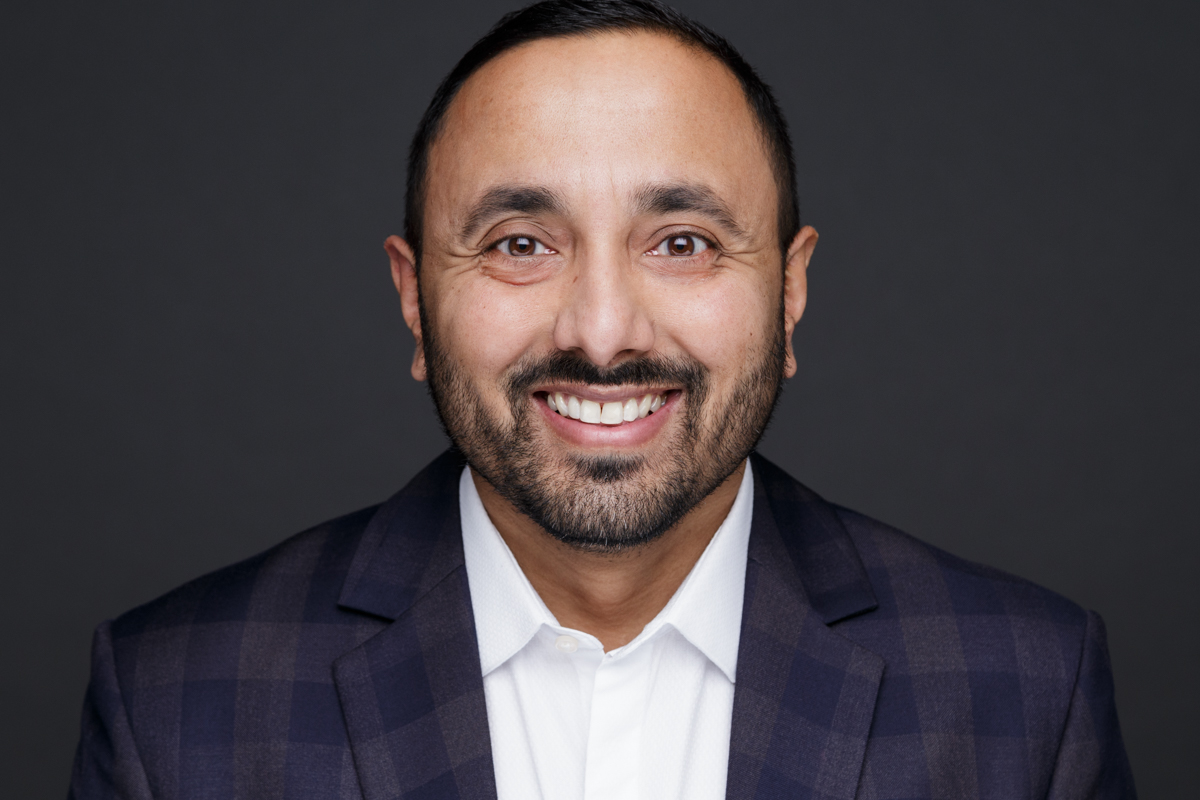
(914, 576)
(279, 584)
(285, 600)
(1012, 679)
(997, 653)
(924, 610)
(907, 576)
(179, 666)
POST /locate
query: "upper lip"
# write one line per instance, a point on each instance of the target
(604, 394)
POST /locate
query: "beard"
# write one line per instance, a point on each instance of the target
(606, 502)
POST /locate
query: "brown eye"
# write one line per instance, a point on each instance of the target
(522, 246)
(681, 246)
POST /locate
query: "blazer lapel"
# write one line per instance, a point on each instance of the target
(412, 695)
(805, 696)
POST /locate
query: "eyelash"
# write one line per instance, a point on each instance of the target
(499, 245)
(709, 244)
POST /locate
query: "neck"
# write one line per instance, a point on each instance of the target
(611, 596)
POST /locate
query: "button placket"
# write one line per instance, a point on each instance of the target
(614, 730)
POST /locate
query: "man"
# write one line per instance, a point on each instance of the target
(600, 592)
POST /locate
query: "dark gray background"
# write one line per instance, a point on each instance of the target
(202, 353)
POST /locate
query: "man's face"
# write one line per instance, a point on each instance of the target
(604, 319)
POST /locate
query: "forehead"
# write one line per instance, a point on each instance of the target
(613, 111)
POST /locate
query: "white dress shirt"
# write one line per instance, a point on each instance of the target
(647, 720)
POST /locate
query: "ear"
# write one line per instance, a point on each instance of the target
(795, 289)
(404, 275)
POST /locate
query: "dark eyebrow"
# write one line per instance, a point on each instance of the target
(508, 200)
(671, 197)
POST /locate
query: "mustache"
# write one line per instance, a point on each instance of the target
(568, 367)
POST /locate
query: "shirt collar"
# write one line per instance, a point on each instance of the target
(508, 610)
(706, 609)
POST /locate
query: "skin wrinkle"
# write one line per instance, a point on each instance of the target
(636, 138)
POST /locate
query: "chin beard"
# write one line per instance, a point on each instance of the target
(605, 503)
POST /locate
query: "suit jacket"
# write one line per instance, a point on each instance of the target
(343, 664)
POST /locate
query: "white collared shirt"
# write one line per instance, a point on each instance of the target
(649, 720)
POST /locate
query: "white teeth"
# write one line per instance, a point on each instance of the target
(644, 405)
(589, 411)
(613, 412)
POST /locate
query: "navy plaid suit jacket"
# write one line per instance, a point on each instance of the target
(343, 664)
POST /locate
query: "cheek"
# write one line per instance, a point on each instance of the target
(487, 326)
(725, 325)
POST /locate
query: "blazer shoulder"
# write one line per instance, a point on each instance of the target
(267, 585)
(973, 649)
(904, 569)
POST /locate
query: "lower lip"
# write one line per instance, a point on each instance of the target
(627, 434)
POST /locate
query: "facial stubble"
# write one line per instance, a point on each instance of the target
(598, 502)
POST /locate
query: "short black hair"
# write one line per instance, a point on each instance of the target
(557, 18)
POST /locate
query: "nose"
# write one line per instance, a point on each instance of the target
(604, 316)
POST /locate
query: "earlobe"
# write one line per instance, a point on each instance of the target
(407, 282)
(795, 290)
(418, 363)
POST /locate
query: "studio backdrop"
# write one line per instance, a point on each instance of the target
(203, 352)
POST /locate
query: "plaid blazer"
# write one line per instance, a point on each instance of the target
(343, 664)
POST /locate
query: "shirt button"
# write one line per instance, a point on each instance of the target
(566, 644)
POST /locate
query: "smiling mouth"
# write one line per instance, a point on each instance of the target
(614, 412)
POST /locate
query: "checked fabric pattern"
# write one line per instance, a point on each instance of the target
(874, 666)
(343, 664)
